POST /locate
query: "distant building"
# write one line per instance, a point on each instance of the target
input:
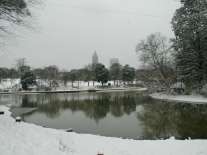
(114, 61)
(94, 58)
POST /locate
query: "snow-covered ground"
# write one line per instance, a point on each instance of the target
(198, 99)
(28, 139)
(13, 85)
(8, 84)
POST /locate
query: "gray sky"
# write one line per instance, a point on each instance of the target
(68, 31)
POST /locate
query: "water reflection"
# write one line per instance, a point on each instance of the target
(95, 106)
(164, 120)
(121, 114)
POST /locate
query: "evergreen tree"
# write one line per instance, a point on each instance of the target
(128, 73)
(101, 73)
(73, 76)
(86, 75)
(190, 28)
(28, 78)
(115, 72)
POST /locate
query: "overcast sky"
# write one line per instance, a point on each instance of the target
(67, 32)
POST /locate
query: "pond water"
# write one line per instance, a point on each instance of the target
(115, 114)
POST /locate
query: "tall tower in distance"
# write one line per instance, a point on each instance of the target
(94, 58)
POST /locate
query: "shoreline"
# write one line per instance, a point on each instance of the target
(191, 99)
(77, 91)
(25, 138)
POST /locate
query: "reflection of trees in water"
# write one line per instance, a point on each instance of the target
(121, 105)
(26, 102)
(10, 98)
(96, 107)
(193, 121)
(163, 120)
(158, 119)
(52, 108)
(46, 103)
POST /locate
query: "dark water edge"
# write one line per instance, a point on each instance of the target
(116, 114)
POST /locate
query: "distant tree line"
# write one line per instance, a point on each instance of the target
(100, 73)
(97, 72)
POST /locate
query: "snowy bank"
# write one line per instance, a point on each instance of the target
(198, 99)
(28, 139)
(78, 90)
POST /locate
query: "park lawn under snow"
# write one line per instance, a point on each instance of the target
(28, 139)
(198, 99)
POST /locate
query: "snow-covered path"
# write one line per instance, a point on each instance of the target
(198, 99)
(28, 139)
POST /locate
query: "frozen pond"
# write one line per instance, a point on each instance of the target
(115, 114)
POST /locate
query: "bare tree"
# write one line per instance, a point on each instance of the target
(156, 52)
